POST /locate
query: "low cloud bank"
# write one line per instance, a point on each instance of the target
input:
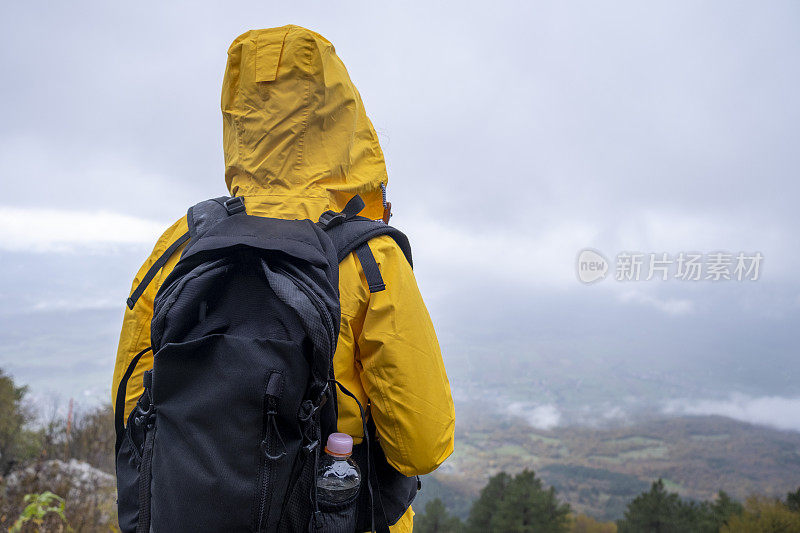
(775, 411)
(538, 416)
(60, 230)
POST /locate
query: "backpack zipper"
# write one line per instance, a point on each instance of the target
(265, 480)
(267, 447)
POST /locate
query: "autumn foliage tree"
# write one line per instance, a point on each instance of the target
(763, 514)
(586, 524)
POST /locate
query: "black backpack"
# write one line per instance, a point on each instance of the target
(241, 398)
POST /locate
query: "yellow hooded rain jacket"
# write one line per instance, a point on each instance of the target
(298, 142)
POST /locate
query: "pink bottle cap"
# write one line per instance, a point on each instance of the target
(339, 444)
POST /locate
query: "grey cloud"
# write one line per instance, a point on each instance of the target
(545, 126)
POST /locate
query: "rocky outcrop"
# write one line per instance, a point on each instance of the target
(90, 493)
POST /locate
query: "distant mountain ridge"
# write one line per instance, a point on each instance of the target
(599, 470)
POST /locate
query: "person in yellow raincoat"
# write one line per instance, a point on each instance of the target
(298, 142)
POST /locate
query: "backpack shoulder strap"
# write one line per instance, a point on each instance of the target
(352, 233)
(200, 218)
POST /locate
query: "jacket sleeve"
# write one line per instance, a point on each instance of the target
(135, 334)
(403, 372)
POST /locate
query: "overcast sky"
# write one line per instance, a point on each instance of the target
(515, 136)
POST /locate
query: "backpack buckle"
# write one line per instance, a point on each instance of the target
(329, 219)
(234, 205)
(309, 448)
(307, 410)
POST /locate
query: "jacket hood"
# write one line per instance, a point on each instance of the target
(296, 136)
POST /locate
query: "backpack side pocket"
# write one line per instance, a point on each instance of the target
(129, 459)
(338, 518)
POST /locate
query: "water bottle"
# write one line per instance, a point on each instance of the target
(338, 476)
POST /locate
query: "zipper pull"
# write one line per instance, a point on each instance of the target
(271, 395)
(272, 426)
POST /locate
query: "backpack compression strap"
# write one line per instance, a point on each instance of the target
(352, 233)
(199, 218)
(160, 262)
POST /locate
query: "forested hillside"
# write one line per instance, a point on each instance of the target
(706, 473)
(599, 470)
(522, 503)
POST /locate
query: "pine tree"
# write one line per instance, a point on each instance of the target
(724, 508)
(437, 520)
(659, 511)
(528, 507)
(14, 415)
(484, 508)
(793, 501)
